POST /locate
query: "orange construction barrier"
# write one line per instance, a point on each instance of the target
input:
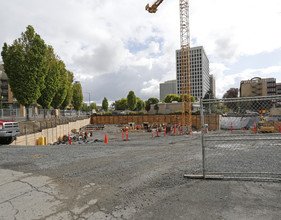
(105, 139)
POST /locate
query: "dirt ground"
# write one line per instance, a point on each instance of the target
(140, 179)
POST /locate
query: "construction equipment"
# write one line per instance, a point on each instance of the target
(154, 7)
(264, 126)
(185, 59)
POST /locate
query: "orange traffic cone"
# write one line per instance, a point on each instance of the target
(105, 139)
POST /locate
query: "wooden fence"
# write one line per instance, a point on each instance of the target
(212, 120)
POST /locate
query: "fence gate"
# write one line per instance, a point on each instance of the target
(248, 143)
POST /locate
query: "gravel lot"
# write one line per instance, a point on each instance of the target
(141, 179)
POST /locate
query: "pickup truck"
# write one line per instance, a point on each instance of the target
(8, 131)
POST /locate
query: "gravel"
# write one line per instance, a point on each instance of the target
(143, 178)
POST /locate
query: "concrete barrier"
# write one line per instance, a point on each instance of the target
(51, 134)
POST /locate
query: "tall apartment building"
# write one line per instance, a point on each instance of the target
(258, 87)
(168, 87)
(213, 84)
(199, 72)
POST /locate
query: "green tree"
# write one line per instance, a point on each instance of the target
(85, 107)
(51, 80)
(152, 100)
(25, 66)
(185, 98)
(121, 104)
(93, 106)
(62, 89)
(105, 104)
(209, 95)
(171, 97)
(77, 97)
(156, 108)
(132, 100)
(140, 104)
(69, 93)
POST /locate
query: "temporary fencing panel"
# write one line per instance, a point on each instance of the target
(247, 141)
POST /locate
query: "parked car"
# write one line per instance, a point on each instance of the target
(8, 131)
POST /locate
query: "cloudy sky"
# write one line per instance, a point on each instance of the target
(113, 46)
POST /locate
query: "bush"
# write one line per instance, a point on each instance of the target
(108, 113)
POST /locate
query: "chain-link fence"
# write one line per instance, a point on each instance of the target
(17, 114)
(247, 143)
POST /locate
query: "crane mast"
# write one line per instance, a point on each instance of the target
(185, 59)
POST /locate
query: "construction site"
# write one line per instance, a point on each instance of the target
(221, 163)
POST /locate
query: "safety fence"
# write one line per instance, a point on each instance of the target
(248, 144)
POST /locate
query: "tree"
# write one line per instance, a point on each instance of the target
(121, 104)
(140, 104)
(132, 100)
(93, 106)
(185, 98)
(171, 97)
(209, 95)
(147, 107)
(51, 80)
(105, 104)
(152, 100)
(69, 93)
(25, 66)
(62, 89)
(231, 93)
(77, 97)
(156, 108)
(85, 107)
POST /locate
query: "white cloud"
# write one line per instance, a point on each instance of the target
(119, 42)
(151, 87)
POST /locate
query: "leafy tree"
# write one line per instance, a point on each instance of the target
(62, 89)
(51, 80)
(185, 98)
(152, 100)
(69, 93)
(77, 97)
(156, 108)
(209, 95)
(105, 104)
(93, 106)
(25, 66)
(85, 107)
(171, 97)
(231, 93)
(121, 104)
(132, 100)
(147, 107)
(140, 104)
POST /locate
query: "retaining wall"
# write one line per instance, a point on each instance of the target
(51, 134)
(212, 120)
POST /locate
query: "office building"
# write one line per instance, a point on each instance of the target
(199, 72)
(278, 88)
(213, 85)
(258, 87)
(168, 87)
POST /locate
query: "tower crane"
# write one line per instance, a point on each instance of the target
(185, 59)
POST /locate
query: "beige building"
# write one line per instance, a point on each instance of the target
(258, 87)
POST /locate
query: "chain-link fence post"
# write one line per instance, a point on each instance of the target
(202, 137)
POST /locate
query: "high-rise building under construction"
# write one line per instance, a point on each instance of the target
(199, 72)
